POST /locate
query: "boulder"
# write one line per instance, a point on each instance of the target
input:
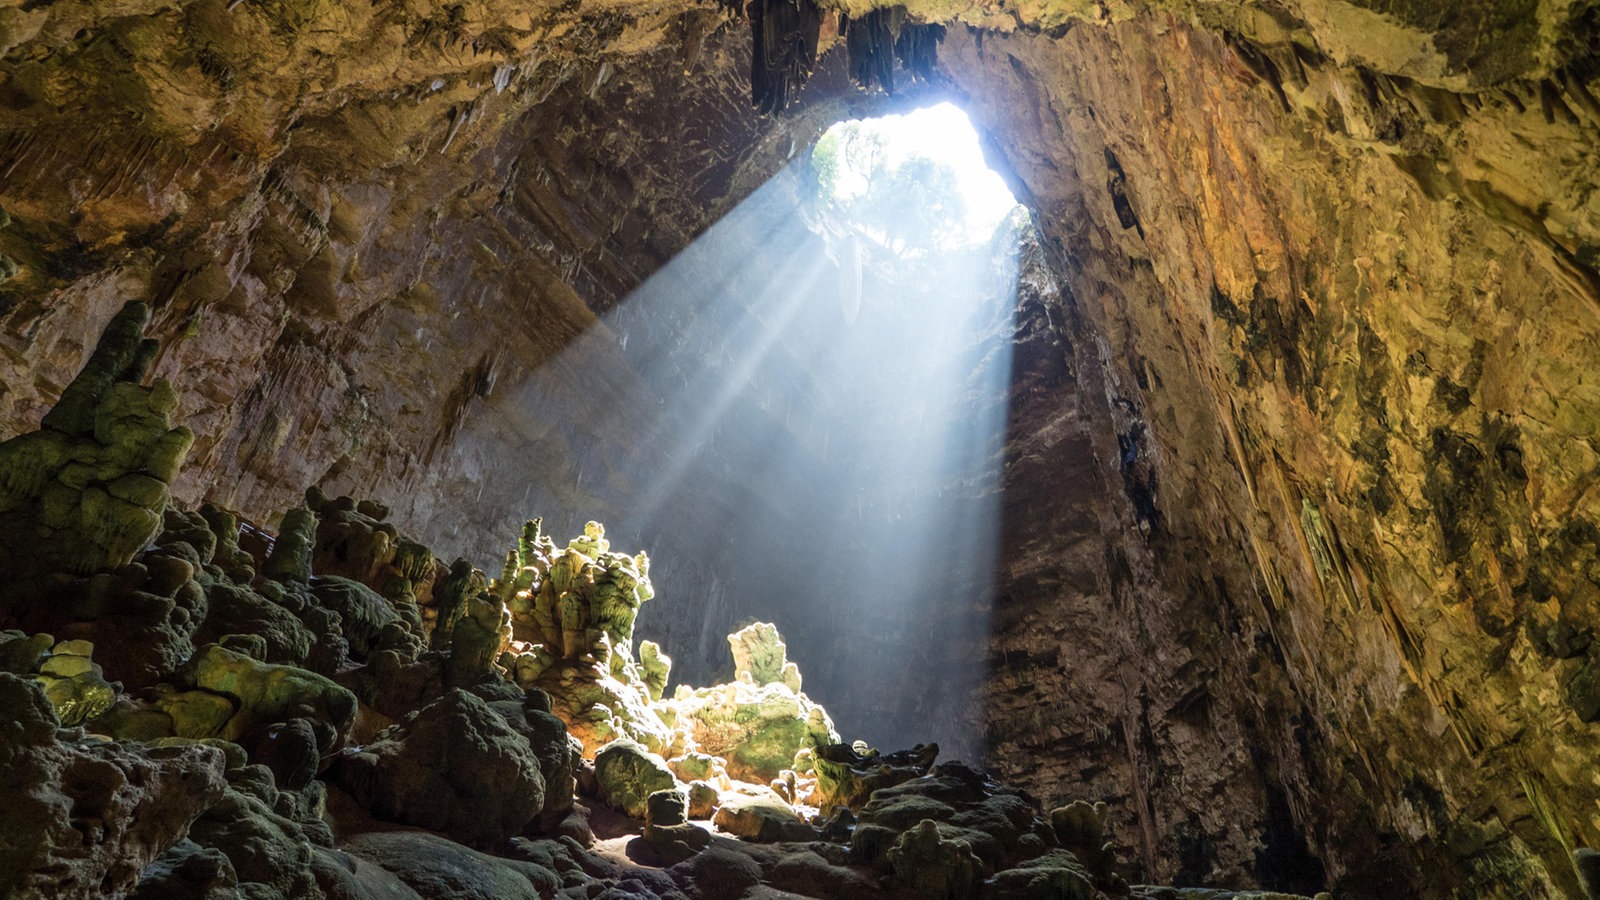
(628, 774)
(848, 774)
(1057, 875)
(188, 871)
(363, 614)
(85, 817)
(703, 800)
(291, 751)
(667, 830)
(720, 871)
(271, 855)
(936, 867)
(764, 818)
(547, 736)
(268, 693)
(234, 609)
(435, 868)
(453, 766)
(75, 686)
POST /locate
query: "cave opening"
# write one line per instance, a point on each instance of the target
(815, 391)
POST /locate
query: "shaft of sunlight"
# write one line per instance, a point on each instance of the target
(816, 392)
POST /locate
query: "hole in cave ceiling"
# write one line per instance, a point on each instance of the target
(914, 184)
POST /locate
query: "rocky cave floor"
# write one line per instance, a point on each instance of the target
(194, 708)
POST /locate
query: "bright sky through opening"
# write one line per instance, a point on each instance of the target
(941, 134)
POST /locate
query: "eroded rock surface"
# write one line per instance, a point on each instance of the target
(85, 816)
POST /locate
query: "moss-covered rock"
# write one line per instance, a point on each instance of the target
(453, 766)
(758, 725)
(271, 855)
(364, 615)
(703, 800)
(195, 714)
(84, 817)
(935, 866)
(480, 634)
(1056, 875)
(764, 818)
(847, 774)
(572, 616)
(188, 871)
(268, 693)
(236, 564)
(235, 609)
(761, 657)
(628, 774)
(1080, 827)
(667, 829)
(290, 562)
(655, 668)
(433, 866)
(86, 491)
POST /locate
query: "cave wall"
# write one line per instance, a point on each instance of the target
(1346, 322)
(1300, 554)
(353, 225)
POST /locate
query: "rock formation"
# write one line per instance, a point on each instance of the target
(232, 773)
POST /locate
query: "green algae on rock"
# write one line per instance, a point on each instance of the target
(628, 774)
(269, 693)
(86, 491)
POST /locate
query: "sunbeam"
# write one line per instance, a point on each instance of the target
(834, 387)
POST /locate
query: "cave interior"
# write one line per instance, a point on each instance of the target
(1207, 506)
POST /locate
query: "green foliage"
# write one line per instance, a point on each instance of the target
(908, 202)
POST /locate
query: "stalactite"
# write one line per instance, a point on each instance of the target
(785, 34)
(870, 41)
(917, 47)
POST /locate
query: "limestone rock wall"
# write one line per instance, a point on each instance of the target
(351, 224)
(1346, 328)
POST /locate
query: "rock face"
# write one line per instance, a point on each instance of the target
(453, 766)
(1299, 527)
(1326, 335)
(86, 816)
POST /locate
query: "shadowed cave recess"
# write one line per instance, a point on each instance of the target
(1223, 521)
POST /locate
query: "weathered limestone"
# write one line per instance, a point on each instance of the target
(629, 775)
(453, 766)
(1329, 281)
(84, 816)
(86, 491)
(759, 722)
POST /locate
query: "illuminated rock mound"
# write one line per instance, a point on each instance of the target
(189, 708)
